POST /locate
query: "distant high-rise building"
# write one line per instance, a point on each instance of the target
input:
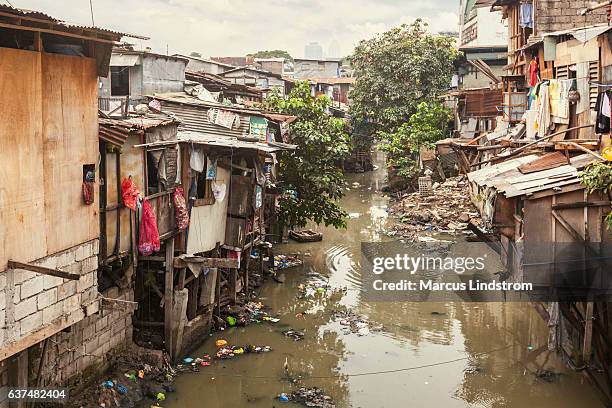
(333, 51)
(313, 51)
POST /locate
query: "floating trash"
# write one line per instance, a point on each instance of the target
(311, 397)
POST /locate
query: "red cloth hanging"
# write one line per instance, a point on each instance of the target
(534, 68)
(149, 235)
(180, 209)
(129, 193)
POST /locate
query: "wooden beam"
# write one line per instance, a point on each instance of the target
(581, 204)
(588, 333)
(168, 297)
(42, 270)
(227, 263)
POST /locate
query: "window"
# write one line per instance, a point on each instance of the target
(204, 193)
(120, 81)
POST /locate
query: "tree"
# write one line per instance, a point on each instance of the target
(312, 180)
(272, 54)
(428, 125)
(396, 71)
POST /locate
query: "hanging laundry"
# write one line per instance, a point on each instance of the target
(197, 159)
(149, 235)
(530, 121)
(605, 106)
(129, 193)
(180, 209)
(602, 121)
(534, 70)
(526, 17)
(211, 168)
(559, 100)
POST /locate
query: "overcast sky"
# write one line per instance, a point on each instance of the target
(238, 27)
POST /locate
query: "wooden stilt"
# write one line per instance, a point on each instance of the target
(168, 296)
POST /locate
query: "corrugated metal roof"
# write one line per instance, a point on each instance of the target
(37, 16)
(120, 60)
(507, 179)
(116, 131)
(223, 141)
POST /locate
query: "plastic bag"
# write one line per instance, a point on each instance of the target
(129, 193)
(149, 235)
(180, 208)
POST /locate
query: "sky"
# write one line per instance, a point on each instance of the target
(239, 27)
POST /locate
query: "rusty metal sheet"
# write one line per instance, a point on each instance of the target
(546, 162)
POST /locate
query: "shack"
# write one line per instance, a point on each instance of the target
(48, 266)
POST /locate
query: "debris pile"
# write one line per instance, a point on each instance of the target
(294, 334)
(447, 210)
(227, 352)
(286, 261)
(357, 324)
(316, 285)
(310, 397)
(252, 312)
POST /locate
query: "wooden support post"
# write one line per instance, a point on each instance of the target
(179, 311)
(588, 333)
(168, 296)
(232, 285)
(18, 375)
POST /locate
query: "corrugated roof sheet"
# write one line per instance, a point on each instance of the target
(507, 179)
(18, 12)
(116, 131)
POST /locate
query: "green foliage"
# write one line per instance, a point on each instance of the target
(272, 54)
(312, 180)
(597, 176)
(396, 71)
(425, 127)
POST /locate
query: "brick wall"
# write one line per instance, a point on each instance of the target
(555, 15)
(74, 355)
(29, 301)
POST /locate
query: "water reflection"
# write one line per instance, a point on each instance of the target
(446, 354)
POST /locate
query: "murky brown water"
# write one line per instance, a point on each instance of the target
(512, 336)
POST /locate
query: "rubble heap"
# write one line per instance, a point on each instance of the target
(448, 209)
(310, 397)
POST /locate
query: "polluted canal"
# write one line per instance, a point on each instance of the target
(421, 354)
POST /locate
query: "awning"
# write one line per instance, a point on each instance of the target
(124, 60)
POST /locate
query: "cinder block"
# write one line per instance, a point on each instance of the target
(31, 323)
(32, 287)
(91, 346)
(89, 295)
(118, 326)
(72, 303)
(65, 258)
(2, 320)
(74, 268)
(52, 312)
(2, 281)
(16, 294)
(66, 289)
(21, 276)
(112, 293)
(47, 298)
(96, 246)
(83, 251)
(25, 308)
(101, 324)
(85, 282)
(92, 308)
(89, 264)
(89, 331)
(50, 282)
(2, 300)
(48, 262)
(104, 337)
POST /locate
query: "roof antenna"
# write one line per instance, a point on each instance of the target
(91, 10)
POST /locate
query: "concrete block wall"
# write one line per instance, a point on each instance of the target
(29, 301)
(73, 355)
(555, 15)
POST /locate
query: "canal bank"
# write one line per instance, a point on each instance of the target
(450, 354)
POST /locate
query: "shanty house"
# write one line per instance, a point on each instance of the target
(311, 68)
(258, 78)
(49, 202)
(134, 74)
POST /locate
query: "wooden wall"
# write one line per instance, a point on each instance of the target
(48, 131)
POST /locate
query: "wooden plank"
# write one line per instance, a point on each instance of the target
(42, 270)
(168, 296)
(588, 333)
(227, 263)
(18, 375)
(581, 204)
(36, 337)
